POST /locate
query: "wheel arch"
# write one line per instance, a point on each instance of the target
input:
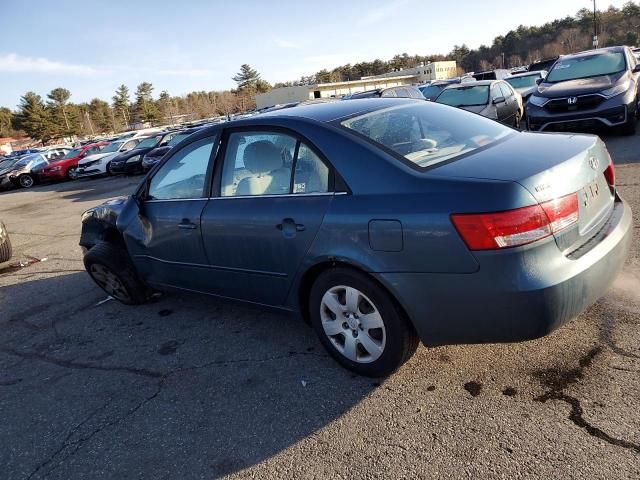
(314, 271)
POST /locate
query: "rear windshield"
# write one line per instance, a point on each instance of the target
(465, 96)
(525, 81)
(432, 91)
(426, 134)
(606, 63)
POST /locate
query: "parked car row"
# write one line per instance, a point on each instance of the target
(132, 153)
(577, 92)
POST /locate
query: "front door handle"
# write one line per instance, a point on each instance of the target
(186, 224)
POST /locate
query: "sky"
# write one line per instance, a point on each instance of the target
(91, 47)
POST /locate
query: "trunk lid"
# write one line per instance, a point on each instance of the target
(549, 166)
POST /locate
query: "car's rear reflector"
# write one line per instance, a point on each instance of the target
(512, 228)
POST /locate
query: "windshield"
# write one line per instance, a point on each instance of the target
(526, 81)
(8, 163)
(72, 154)
(606, 63)
(112, 147)
(427, 134)
(465, 96)
(431, 91)
(148, 142)
(178, 138)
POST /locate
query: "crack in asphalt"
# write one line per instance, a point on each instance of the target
(82, 365)
(78, 444)
(559, 380)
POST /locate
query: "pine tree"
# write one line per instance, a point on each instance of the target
(146, 110)
(247, 78)
(34, 118)
(65, 120)
(121, 103)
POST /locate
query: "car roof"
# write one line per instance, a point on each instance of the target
(587, 53)
(477, 83)
(524, 74)
(327, 112)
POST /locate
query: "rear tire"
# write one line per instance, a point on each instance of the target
(111, 269)
(6, 251)
(517, 121)
(359, 323)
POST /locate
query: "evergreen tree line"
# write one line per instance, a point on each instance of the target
(56, 117)
(615, 26)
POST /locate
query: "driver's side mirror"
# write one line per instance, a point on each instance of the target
(539, 80)
(498, 100)
(637, 68)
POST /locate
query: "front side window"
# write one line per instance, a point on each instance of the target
(257, 163)
(506, 91)
(465, 96)
(184, 174)
(606, 63)
(426, 134)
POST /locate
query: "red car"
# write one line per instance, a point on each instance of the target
(65, 167)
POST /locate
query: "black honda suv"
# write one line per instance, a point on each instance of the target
(587, 90)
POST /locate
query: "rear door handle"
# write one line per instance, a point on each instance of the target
(186, 224)
(289, 226)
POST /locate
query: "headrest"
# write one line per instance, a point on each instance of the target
(262, 157)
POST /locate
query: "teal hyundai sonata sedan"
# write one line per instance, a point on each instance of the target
(382, 222)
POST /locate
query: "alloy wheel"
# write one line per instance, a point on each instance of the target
(72, 173)
(353, 324)
(109, 282)
(26, 181)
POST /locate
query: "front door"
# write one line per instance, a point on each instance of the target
(274, 190)
(165, 241)
(500, 103)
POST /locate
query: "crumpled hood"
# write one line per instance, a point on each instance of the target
(579, 86)
(108, 210)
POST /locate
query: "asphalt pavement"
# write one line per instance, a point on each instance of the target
(191, 387)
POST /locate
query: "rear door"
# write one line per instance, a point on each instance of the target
(273, 190)
(166, 242)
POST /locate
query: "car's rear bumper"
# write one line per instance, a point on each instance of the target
(518, 294)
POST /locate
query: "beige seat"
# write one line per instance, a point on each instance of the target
(269, 175)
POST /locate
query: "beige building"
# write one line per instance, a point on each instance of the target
(411, 76)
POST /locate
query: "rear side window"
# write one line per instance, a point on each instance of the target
(506, 91)
(426, 134)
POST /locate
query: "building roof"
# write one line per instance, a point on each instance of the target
(364, 80)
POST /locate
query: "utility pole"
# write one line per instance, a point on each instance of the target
(595, 26)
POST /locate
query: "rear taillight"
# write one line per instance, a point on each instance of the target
(489, 231)
(610, 175)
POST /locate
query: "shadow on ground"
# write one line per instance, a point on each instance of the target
(93, 389)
